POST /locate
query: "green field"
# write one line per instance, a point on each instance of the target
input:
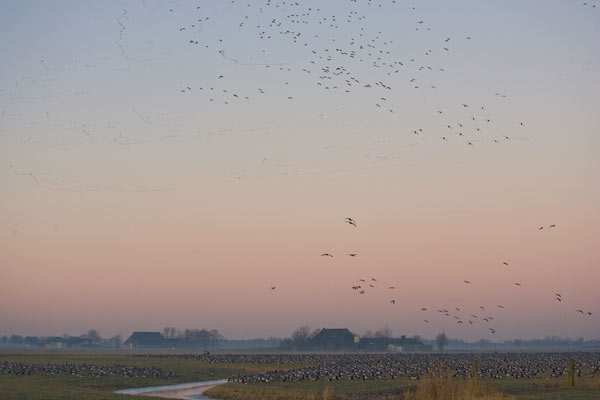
(40, 386)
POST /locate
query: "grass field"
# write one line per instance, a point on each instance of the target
(65, 387)
(40, 386)
(390, 389)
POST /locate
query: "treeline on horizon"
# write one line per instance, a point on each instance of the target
(213, 339)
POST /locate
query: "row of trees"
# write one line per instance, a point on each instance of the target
(300, 338)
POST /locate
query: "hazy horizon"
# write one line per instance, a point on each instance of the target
(131, 201)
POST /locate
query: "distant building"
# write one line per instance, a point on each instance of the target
(146, 340)
(333, 339)
(403, 344)
(31, 341)
(54, 343)
(80, 342)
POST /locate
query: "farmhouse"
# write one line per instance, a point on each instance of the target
(145, 340)
(333, 339)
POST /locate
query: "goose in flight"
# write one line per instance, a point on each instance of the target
(393, 301)
(352, 254)
(518, 284)
(272, 287)
(580, 311)
(466, 282)
(505, 263)
(351, 222)
(326, 255)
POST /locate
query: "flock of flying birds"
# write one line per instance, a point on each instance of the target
(362, 64)
(471, 319)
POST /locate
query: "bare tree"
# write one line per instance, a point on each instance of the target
(315, 332)
(93, 335)
(170, 332)
(441, 340)
(116, 341)
(384, 332)
(300, 336)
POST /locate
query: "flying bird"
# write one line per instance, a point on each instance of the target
(326, 255)
(351, 222)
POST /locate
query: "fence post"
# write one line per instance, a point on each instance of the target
(571, 376)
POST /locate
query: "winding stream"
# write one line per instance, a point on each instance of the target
(191, 390)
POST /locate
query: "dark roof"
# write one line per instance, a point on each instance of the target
(146, 339)
(333, 339)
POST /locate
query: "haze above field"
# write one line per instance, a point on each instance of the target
(167, 163)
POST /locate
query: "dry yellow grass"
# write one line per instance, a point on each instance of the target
(592, 383)
(327, 394)
(444, 387)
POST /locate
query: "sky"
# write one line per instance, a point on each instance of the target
(165, 163)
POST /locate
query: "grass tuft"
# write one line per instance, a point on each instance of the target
(444, 387)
